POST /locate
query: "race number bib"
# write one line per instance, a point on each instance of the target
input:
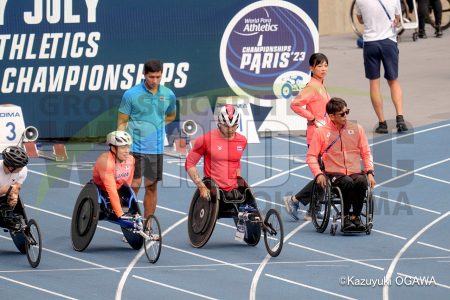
(12, 125)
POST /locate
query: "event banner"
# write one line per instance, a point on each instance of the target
(67, 63)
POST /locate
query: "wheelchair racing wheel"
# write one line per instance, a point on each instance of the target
(369, 211)
(274, 233)
(33, 243)
(321, 206)
(85, 217)
(202, 218)
(152, 246)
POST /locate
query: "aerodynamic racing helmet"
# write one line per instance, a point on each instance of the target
(119, 138)
(15, 157)
(229, 115)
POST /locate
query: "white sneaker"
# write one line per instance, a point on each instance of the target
(291, 207)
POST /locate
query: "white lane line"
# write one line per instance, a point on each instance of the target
(403, 250)
(263, 264)
(408, 134)
(209, 258)
(290, 141)
(71, 257)
(389, 167)
(178, 177)
(337, 256)
(308, 286)
(433, 246)
(260, 165)
(123, 279)
(412, 172)
(389, 234)
(424, 280)
(174, 288)
(432, 178)
(56, 178)
(37, 288)
(410, 205)
(301, 176)
(278, 175)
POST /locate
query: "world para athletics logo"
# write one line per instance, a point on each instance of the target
(265, 50)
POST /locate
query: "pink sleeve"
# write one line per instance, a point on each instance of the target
(106, 171)
(365, 152)
(313, 153)
(302, 99)
(196, 153)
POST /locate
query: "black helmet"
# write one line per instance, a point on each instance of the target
(15, 157)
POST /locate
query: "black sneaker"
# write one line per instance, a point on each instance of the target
(422, 34)
(382, 127)
(359, 226)
(401, 125)
(438, 32)
(348, 224)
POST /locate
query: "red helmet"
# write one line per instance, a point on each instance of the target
(229, 115)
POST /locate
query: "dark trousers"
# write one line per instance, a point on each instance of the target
(353, 188)
(423, 11)
(304, 195)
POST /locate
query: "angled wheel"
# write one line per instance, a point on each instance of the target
(202, 217)
(274, 235)
(19, 240)
(369, 211)
(321, 206)
(85, 217)
(33, 243)
(152, 246)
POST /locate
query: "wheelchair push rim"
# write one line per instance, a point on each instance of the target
(85, 217)
(202, 218)
(320, 204)
(153, 244)
(273, 232)
(33, 243)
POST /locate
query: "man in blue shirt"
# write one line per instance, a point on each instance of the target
(144, 111)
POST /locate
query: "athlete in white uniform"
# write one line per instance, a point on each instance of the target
(13, 172)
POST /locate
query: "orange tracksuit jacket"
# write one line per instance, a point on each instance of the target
(345, 155)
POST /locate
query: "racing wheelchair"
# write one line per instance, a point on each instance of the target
(203, 214)
(324, 201)
(25, 233)
(93, 204)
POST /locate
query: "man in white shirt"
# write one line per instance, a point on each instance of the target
(380, 19)
(13, 172)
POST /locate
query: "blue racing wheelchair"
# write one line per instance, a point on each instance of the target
(93, 205)
(25, 233)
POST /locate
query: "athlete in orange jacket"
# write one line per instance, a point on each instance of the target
(115, 168)
(342, 145)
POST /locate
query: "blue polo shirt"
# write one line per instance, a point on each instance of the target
(146, 112)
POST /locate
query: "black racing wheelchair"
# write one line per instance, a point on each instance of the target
(203, 214)
(25, 233)
(93, 204)
(324, 201)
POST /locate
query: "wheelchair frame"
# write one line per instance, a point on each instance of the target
(329, 198)
(25, 233)
(93, 205)
(203, 215)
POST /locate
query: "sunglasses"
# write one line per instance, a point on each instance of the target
(342, 114)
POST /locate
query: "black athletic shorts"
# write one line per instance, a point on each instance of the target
(148, 165)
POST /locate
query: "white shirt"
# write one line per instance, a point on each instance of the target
(377, 25)
(12, 178)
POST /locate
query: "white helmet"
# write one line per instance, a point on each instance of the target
(119, 138)
(229, 115)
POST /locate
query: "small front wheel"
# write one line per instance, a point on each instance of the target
(153, 243)
(273, 233)
(33, 243)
